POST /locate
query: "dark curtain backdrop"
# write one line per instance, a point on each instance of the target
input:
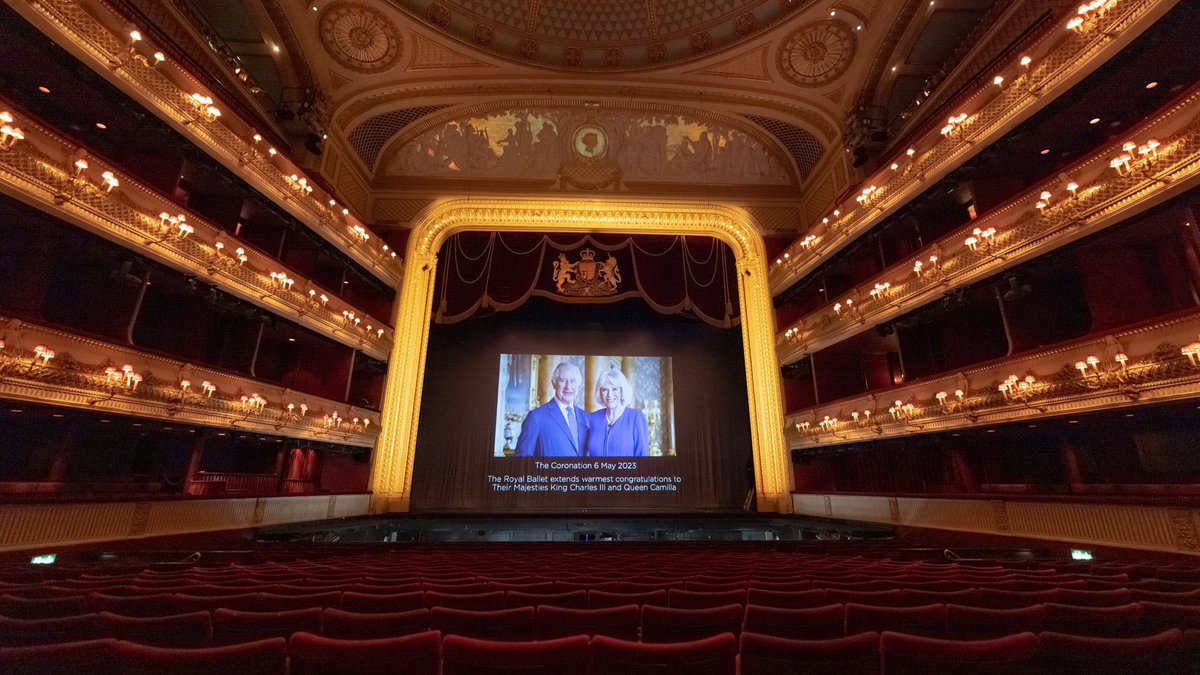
(458, 408)
(490, 271)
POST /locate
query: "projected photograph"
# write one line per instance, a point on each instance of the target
(585, 406)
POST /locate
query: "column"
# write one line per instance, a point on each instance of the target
(193, 468)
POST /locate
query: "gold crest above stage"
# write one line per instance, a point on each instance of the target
(586, 277)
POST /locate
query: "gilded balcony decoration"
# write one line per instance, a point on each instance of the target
(99, 35)
(52, 174)
(1154, 363)
(1053, 64)
(1158, 159)
(52, 367)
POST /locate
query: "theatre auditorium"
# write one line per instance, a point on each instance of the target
(637, 337)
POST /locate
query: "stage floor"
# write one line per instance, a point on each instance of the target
(577, 528)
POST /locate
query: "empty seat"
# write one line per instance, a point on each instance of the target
(231, 626)
(503, 624)
(383, 603)
(263, 657)
(643, 586)
(787, 599)
(160, 604)
(56, 659)
(75, 628)
(682, 599)
(712, 656)
(383, 588)
(179, 630)
(457, 589)
(543, 587)
(275, 602)
(983, 623)
(615, 622)
(917, 655)
(772, 655)
(42, 608)
(343, 625)
(574, 599)
(814, 623)
(479, 602)
(928, 620)
(710, 586)
(892, 598)
(1090, 598)
(1169, 597)
(602, 599)
(183, 603)
(1120, 621)
(1162, 654)
(310, 654)
(1160, 616)
(1004, 599)
(468, 656)
(670, 624)
(916, 597)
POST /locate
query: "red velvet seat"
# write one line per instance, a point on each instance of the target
(671, 624)
(712, 587)
(915, 597)
(573, 599)
(57, 659)
(478, 602)
(682, 599)
(42, 608)
(367, 603)
(772, 655)
(1162, 654)
(75, 628)
(983, 623)
(232, 626)
(716, 655)
(538, 588)
(503, 624)
(179, 630)
(160, 604)
(263, 657)
(902, 654)
(871, 585)
(892, 598)
(786, 599)
(1160, 616)
(1029, 585)
(310, 654)
(646, 586)
(466, 588)
(615, 622)
(1003, 599)
(1090, 598)
(468, 656)
(602, 599)
(562, 586)
(378, 587)
(1120, 621)
(274, 602)
(183, 603)
(816, 623)
(343, 625)
(927, 620)
(1168, 597)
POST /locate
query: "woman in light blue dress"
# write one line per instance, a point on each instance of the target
(616, 430)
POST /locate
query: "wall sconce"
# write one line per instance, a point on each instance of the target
(42, 353)
(808, 242)
(881, 290)
(303, 409)
(9, 134)
(1192, 352)
(282, 281)
(208, 388)
(240, 253)
(203, 105)
(954, 126)
(379, 333)
(359, 232)
(1088, 15)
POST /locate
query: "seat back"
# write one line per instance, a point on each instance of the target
(716, 655)
(515, 624)
(902, 654)
(310, 654)
(343, 625)
(263, 657)
(178, 630)
(928, 620)
(815, 623)
(468, 656)
(231, 626)
(772, 655)
(615, 622)
(670, 624)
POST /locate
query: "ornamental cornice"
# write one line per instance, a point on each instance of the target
(61, 179)
(1054, 63)
(52, 367)
(1098, 192)
(1156, 362)
(96, 33)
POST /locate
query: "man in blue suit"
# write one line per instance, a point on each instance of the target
(557, 428)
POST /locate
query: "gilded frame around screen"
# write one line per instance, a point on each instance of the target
(392, 465)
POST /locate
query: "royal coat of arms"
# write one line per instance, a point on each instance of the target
(586, 276)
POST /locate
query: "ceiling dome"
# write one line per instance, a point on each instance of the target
(600, 34)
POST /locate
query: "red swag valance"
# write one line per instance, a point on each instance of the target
(490, 272)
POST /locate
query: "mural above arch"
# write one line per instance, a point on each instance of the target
(589, 148)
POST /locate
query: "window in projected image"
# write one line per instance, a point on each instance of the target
(585, 406)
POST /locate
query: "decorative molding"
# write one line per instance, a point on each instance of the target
(817, 53)
(1056, 62)
(430, 55)
(44, 526)
(1089, 196)
(95, 34)
(749, 65)
(55, 176)
(1139, 366)
(393, 462)
(359, 37)
(88, 374)
(1138, 527)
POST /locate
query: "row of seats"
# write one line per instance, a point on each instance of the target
(648, 623)
(429, 653)
(161, 604)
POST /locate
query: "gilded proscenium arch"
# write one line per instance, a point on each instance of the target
(391, 474)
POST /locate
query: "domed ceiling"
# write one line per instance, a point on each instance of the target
(600, 34)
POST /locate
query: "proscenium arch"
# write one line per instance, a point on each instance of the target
(392, 468)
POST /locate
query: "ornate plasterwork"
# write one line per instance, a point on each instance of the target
(359, 37)
(1057, 61)
(817, 53)
(393, 462)
(1103, 196)
(76, 378)
(536, 144)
